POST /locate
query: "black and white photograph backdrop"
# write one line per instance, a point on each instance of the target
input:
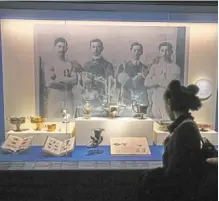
(102, 65)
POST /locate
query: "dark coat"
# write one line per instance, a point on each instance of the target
(182, 177)
(182, 154)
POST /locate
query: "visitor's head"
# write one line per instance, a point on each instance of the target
(61, 46)
(96, 46)
(165, 50)
(181, 99)
(136, 50)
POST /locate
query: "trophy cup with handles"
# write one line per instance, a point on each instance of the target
(140, 109)
(17, 121)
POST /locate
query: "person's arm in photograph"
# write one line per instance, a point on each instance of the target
(72, 78)
(110, 70)
(139, 79)
(173, 75)
(145, 71)
(111, 77)
(122, 76)
(51, 78)
(78, 67)
(151, 80)
(120, 70)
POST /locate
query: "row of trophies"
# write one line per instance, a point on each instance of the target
(34, 120)
(112, 111)
(38, 120)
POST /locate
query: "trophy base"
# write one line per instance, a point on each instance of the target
(20, 130)
(140, 116)
(87, 117)
(65, 122)
(94, 152)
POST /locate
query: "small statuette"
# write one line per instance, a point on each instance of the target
(66, 116)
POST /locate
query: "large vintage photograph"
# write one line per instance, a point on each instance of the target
(102, 65)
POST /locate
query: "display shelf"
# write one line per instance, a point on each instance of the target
(35, 153)
(116, 127)
(159, 136)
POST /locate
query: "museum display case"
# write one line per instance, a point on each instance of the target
(88, 85)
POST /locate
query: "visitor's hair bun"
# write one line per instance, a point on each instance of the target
(193, 89)
(175, 86)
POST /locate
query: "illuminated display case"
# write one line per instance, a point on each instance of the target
(79, 85)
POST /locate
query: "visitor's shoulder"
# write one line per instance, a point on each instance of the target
(187, 129)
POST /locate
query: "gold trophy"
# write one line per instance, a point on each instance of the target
(17, 121)
(38, 121)
(163, 125)
(140, 109)
(87, 110)
(51, 127)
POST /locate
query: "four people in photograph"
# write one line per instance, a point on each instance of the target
(70, 85)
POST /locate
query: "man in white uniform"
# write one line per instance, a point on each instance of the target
(60, 77)
(160, 75)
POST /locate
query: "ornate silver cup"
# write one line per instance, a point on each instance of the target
(87, 110)
(139, 108)
(17, 121)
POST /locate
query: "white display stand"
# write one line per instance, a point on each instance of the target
(117, 127)
(159, 135)
(63, 131)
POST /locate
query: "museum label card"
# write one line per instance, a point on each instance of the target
(129, 146)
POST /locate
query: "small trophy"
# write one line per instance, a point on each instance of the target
(163, 125)
(38, 121)
(87, 110)
(51, 127)
(66, 116)
(113, 111)
(96, 140)
(140, 109)
(17, 121)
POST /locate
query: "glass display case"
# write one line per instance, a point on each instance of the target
(83, 85)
